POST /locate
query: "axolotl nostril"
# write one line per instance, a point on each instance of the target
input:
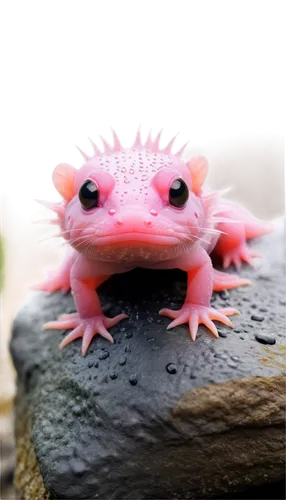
(145, 207)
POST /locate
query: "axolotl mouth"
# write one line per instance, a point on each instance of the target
(133, 247)
(134, 238)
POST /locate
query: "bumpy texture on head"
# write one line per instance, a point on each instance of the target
(143, 194)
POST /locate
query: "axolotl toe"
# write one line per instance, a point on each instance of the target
(145, 207)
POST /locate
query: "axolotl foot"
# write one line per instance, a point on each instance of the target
(55, 281)
(194, 315)
(85, 328)
(238, 255)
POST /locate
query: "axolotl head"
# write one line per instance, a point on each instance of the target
(134, 204)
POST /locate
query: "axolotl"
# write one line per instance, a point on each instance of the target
(145, 207)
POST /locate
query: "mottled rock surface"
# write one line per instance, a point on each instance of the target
(155, 415)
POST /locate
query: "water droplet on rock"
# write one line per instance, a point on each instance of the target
(255, 317)
(265, 339)
(232, 365)
(133, 379)
(221, 355)
(238, 329)
(122, 360)
(77, 410)
(235, 358)
(113, 375)
(103, 354)
(221, 333)
(77, 466)
(171, 368)
(155, 347)
(129, 335)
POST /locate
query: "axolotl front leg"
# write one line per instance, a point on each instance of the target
(197, 306)
(89, 319)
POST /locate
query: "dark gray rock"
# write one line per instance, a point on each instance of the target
(156, 415)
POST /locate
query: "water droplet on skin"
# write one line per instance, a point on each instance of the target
(119, 222)
(123, 170)
(148, 223)
(196, 215)
(131, 171)
(126, 181)
(153, 212)
(111, 211)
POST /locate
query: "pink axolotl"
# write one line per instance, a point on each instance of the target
(145, 207)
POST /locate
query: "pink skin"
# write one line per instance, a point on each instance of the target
(232, 246)
(135, 224)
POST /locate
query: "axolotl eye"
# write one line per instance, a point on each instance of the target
(179, 193)
(88, 195)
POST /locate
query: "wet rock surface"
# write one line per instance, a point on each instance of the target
(156, 415)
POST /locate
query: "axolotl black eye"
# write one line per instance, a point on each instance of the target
(88, 195)
(179, 193)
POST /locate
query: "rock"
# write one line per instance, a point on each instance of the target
(154, 415)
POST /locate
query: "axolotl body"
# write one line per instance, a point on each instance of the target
(145, 207)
